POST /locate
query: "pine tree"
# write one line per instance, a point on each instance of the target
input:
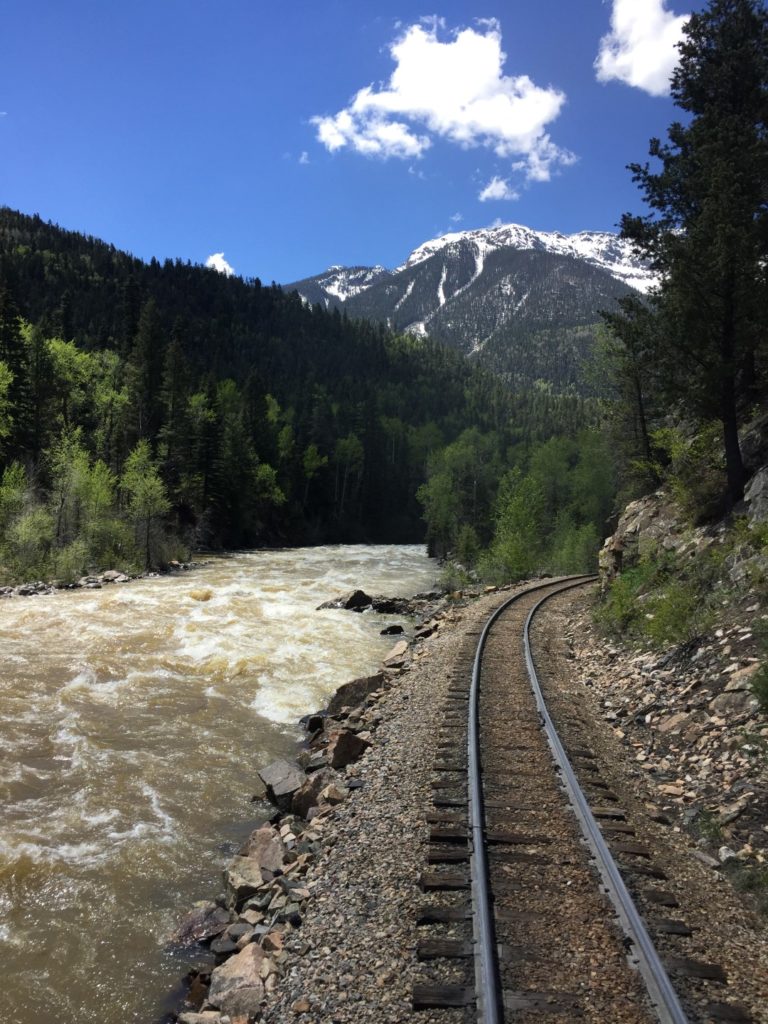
(707, 233)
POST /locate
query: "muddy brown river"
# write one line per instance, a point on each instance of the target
(132, 722)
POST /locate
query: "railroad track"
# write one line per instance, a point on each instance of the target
(540, 903)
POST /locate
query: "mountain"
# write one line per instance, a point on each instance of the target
(524, 302)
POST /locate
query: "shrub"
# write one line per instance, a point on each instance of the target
(677, 614)
(454, 577)
(71, 562)
(28, 543)
(696, 472)
(621, 612)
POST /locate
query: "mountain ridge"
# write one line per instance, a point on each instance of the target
(525, 302)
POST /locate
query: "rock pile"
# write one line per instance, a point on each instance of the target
(692, 725)
(254, 929)
(269, 883)
(94, 581)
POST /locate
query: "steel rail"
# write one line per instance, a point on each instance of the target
(488, 990)
(660, 988)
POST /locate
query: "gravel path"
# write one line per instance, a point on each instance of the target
(360, 933)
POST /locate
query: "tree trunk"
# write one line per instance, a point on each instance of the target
(734, 466)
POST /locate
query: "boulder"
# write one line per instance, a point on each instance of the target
(309, 794)
(242, 971)
(242, 878)
(355, 692)
(333, 794)
(282, 779)
(244, 1006)
(205, 921)
(344, 747)
(394, 630)
(206, 1017)
(265, 847)
(392, 605)
(397, 654)
(736, 703)
(756, 497)
(354, 601)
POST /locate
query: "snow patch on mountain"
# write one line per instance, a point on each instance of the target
(600, 248)
(344, 282)
(405, 294)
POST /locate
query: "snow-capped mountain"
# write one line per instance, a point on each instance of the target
(599, 248)
(525, 301)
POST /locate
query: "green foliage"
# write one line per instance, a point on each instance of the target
(454, 577)
(28, 543)
(662, 602)
(621, 612)
(69, 563)
(147, 499)
(153, 402)
(677, 614)
(6, 416)
(552, 514)
(706, 232)
(13, 492)
(696, 470)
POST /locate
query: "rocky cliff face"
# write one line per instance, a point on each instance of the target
(688, 710)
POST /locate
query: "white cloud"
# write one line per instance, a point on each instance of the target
(304, 158)
(640, 49)
(456, 218)
(216, 261)
(456, 91)
(498, 188)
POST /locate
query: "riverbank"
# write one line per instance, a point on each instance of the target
(94, 581)
(339, 864)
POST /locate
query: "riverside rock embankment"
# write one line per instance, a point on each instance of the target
(351, 792)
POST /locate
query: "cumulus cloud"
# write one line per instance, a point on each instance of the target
(498, 188)
(216, 261)
(641, 49)
(454, 90)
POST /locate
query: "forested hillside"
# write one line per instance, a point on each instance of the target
(147, 409)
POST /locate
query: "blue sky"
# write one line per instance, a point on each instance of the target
(291, 137)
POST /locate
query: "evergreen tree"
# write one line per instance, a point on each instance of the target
(707, 233)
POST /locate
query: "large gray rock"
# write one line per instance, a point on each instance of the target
(309, 794)
(266, 847)
(244, 1004)
(282, 779)
(354, 601)
(733, 703)
(756, 496)
(238, 973)
(205, 921)
(344, 747)
(242, 878)
(397, 655)
(354, 693)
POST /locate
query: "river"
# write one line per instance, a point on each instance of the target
(132, 722)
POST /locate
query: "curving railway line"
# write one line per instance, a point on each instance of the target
(540, 904)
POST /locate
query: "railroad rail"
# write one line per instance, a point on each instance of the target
(523, 859)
